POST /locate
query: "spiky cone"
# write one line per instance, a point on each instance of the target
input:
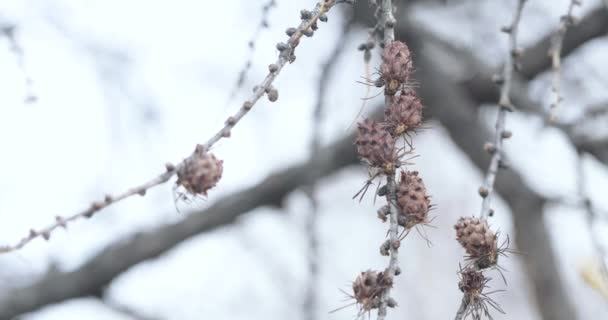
(376, 146)
(412, 199)
(396, 66)
(368, 288)
(404, 113)
(479, 241)
(200, 172)
(471, 283)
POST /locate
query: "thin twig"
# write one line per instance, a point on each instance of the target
(505, 105)
(9, 32)
(555, 52)
(286, 55)
(251, 45)
(327, 68)
(387, 21)
(591, 215)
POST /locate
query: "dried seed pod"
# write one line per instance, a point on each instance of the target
(404, 113)
(412, 199)
(368, 288)
(396, 66)
(478, 240)
(200, 172)
(376, 146)
(471, 282)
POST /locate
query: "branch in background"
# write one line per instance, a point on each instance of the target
(125, 310)
(591, 216)
(593, 25)
(251, 45)
(327, 68)
(533, 61)
(555, 52)
(192, 172)
(9, 32)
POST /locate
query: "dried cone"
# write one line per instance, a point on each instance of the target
(396, 66)
(368, 288)
(412, 200)
(471, 282)
(200, 173)
(376, 145)
(404, 114)
(478, 240)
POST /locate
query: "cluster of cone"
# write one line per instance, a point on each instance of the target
(376, 146)
(480, 244)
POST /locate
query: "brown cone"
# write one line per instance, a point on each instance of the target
(396, 66)
(375, 145)
(200, 173)
(478, 240)
(404, 114)
(412, 199)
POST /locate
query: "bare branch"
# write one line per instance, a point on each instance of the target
(555, 52)
(251, 44)
(505, 105)
(287, 55)
(327, 68)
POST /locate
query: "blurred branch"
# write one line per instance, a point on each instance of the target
(327, 68)
(555, 52)
(533, 61)
(251, 44)
(9, 30)
(309, 22)
(591, 215)
(591, 26)
(125, 310)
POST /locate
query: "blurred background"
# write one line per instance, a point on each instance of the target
(95, 96)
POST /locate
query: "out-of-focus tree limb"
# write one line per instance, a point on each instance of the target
(535, 59)
(483, 90)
